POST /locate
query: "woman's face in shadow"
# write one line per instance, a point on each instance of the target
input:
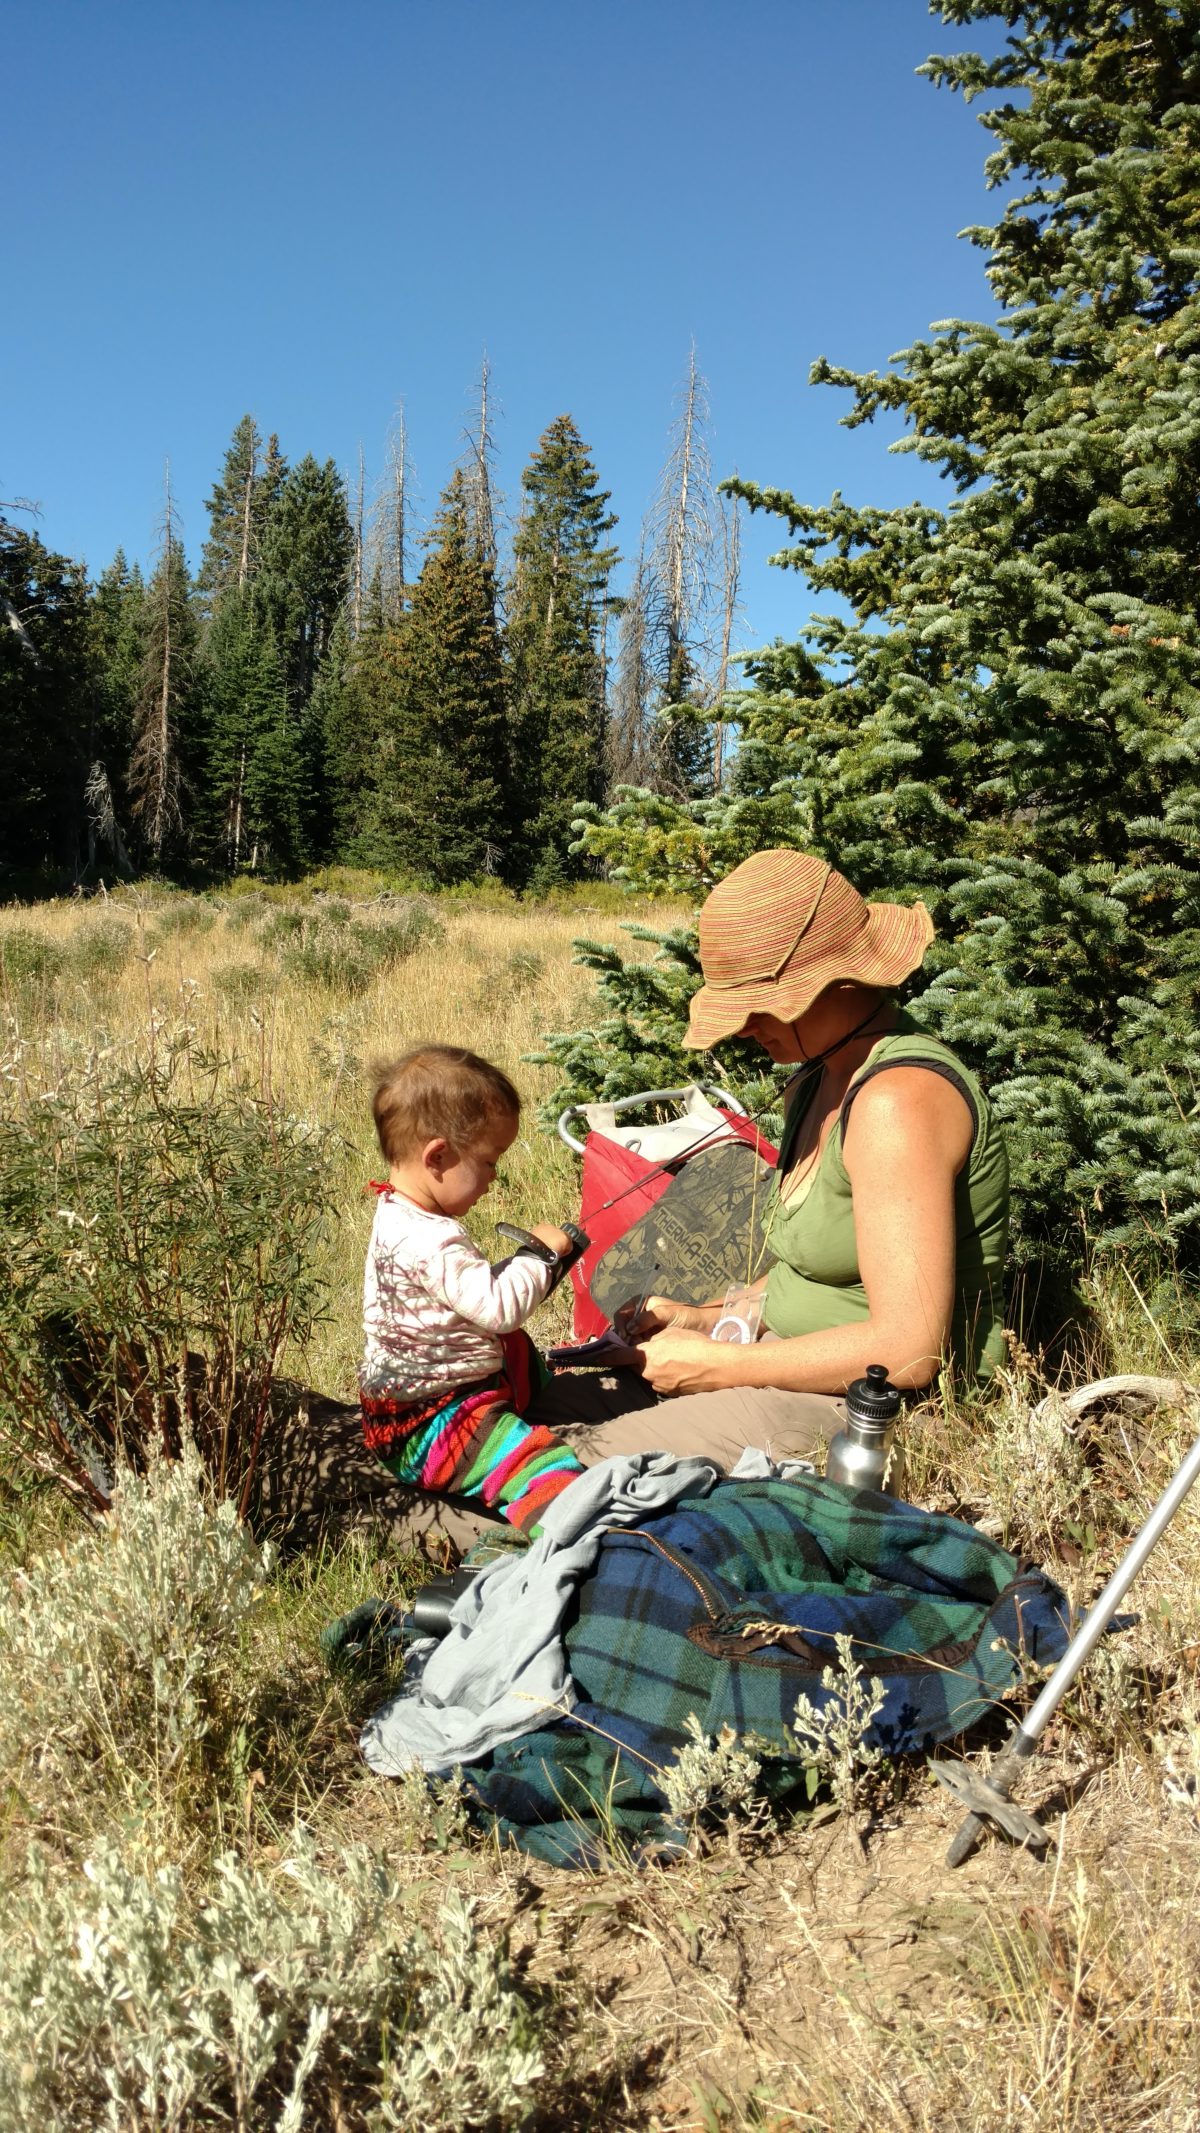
(778, 1039)
(832, 1015)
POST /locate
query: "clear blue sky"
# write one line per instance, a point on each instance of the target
(308, 211)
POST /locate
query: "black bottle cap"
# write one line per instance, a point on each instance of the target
(873, 1398)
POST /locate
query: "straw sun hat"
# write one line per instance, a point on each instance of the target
(782, 927)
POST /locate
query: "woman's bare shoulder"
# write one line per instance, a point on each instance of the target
(910, 1099)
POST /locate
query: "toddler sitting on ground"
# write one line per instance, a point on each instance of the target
(447, 1369)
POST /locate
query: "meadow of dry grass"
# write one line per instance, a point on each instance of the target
(493, 977)
(825, 1976)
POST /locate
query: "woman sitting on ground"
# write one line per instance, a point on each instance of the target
(889, 1212)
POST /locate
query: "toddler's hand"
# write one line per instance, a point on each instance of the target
(557, 1239)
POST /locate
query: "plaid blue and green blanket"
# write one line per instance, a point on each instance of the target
(728, 1607)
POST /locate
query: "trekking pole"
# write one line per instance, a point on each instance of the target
(1024, 1738)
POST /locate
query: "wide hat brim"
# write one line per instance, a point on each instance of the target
(887, 949)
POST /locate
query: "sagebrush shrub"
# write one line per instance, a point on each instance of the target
(283, 922)
(472, 2055)
(100, 949)
(185, 914)
(408, 926)
(336, 1048)
(345, 955)
(29, 960)
(1033, 1465)
(160, 1220)
(1177, 1755)
(243, 907)
(118, 1652)
(342, 958)
(126, 2004)
(241, 983)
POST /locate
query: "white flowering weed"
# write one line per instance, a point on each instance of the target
(709, 1776)
(832, 1741)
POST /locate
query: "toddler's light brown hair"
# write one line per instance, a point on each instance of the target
(438, 1092)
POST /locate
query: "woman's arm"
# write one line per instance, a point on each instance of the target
(908, 1137)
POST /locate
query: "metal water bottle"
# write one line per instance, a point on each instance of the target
(860, 1452)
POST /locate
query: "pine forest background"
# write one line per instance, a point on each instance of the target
(334, 686)
(996, 709)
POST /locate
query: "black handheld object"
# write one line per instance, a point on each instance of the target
(525, 1242)
(428, 1612)
(606, 1352)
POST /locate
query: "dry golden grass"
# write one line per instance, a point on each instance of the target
(816, 1979)
(495, 978)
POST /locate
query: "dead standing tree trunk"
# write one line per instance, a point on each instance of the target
(236, 799)
(732, 541)
(481, 449)
(683, 539)
(356, 611)
(680, 602)
(391, 516)
(398, 492)
(631, 721)
(154, 769)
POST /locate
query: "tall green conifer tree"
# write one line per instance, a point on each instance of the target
(116, 634)
(1019, 742)
(342, 714)
(45, 681)
(238, 510)
(254, 770)
(307, 556)
(439, 803)
(556, 612)
(115, 623)
(308, 548)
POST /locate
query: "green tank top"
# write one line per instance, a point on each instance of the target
(815, 1281)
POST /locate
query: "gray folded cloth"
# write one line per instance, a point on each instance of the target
(759, 1466)
(501, 1669)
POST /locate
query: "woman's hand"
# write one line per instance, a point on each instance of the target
(639, 1317)
(678, 1361)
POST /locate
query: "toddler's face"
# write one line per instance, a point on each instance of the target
(468, 1173)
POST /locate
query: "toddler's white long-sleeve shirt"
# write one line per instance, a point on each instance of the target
(433, 1308)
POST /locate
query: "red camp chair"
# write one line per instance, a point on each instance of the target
(627, 1170)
